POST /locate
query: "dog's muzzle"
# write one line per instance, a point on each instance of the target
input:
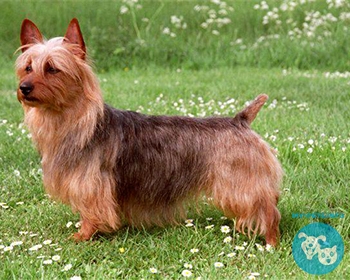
(26, 88)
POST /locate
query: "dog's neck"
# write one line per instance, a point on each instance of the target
(52, 130)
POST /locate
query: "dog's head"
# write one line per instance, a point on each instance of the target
(52, 73)
(310, 245)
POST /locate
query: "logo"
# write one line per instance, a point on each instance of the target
(318, 248)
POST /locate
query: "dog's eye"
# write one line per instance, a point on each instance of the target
(28, 69)
(52, 70)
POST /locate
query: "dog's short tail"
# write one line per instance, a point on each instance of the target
(249, 113)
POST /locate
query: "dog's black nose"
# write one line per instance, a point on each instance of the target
(26, 88)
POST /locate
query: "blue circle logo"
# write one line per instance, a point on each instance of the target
(318, 248)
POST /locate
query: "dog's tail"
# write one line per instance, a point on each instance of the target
(249, 113)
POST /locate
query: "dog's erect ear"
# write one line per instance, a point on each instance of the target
(30, 34)
(74, 36)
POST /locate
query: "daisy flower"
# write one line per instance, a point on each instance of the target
(153, 270)
(16, 243)
(56, 258)
(186, 273)
(78, 225)
(253, 275)
(67, 267)
(187, 265)
(225, 229)
(218, 264)
(259, 247)
(194, 250)
(36, 247)
(228, 239)
(8, 248)
(269, 248)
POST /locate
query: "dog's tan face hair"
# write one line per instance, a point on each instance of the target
(47, 68)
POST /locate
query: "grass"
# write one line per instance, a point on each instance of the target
(193, 34)
(148, 61)
(302, 107)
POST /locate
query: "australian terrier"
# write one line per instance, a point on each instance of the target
(113, 166)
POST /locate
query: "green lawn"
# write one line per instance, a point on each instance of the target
(195, 58)
(193, 34)
(306, 119)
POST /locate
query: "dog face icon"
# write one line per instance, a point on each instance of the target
(318, 248)
(310, 245)
(328, 256)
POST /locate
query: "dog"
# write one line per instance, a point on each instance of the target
(310, 245)
(115, 166)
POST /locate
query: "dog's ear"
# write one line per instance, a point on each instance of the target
(30, 35)
(321, 237)
(74, 36)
